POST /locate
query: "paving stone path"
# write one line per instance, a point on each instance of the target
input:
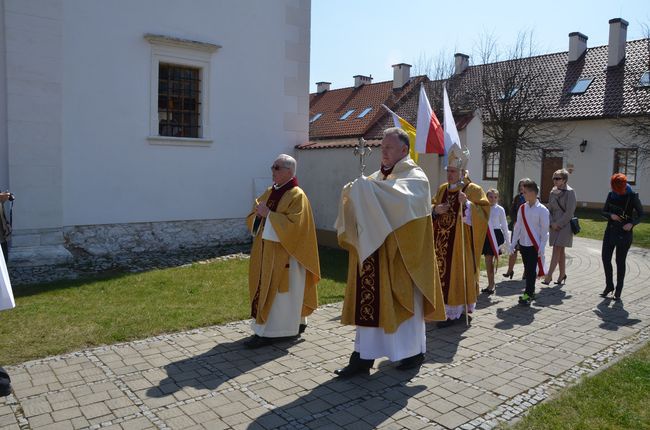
(510, 359)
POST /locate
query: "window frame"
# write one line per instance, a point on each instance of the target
(184, 53)
(486, 156)
(347, 114)
(196, 112)
(644, 83)
(617, 164)
(572, 90)
(364, 112)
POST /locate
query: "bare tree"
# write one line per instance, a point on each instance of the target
(436, 67)
(510, 90)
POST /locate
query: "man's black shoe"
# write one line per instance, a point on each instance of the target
(256, 341)
(5, 383)
(302, 328)
(356, 366)
(412, 362)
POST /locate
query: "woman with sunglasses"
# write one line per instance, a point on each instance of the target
(562, 207)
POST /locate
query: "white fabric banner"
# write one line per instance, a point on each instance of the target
(6, 293)
(379, 206)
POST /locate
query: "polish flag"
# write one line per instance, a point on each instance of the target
(429, 138)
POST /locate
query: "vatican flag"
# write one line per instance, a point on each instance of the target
(408, 128)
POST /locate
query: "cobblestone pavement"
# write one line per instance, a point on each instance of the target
(509, 359)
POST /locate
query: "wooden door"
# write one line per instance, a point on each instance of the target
(551, 162)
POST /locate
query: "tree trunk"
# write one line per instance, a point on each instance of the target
(507, 165)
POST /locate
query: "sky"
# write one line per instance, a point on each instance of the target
(366, 37)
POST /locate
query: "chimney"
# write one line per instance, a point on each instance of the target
(577, 45)
(321, 87)
(361, 80)
(461, 63)
(617, 40)
(401, 75)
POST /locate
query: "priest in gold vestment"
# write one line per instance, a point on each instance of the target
(455, 234)
(284, 267)
(384, 222)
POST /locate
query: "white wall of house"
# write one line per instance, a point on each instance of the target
(322, 173)
(78, 125)
(590, 170)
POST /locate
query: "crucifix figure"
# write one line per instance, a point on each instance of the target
(362, 151)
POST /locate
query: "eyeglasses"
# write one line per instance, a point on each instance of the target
(276, 167)
(558, 179)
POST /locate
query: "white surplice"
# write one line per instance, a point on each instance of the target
(285, 315)
(409, 339)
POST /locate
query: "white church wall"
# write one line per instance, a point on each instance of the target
(78, 80)
(127, 178)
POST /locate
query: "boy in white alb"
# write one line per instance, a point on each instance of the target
(531, 233)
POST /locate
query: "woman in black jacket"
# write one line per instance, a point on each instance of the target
(620, 206)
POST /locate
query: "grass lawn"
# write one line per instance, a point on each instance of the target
(65, 316)
(616, 398)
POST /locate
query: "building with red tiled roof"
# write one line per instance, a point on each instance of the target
(338, 118)
(587, 92)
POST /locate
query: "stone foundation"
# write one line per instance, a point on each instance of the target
(92, 249)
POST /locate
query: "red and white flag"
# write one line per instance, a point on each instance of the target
(429, 138)
(451, 132)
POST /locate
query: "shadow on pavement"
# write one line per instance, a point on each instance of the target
(442, 343)
(615, 316)
(216, 366)
(553, 296)
(362, 402)
(510, 288)
(516, 315)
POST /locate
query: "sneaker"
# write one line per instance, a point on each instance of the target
(525, 299)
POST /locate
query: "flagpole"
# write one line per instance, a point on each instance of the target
(462, 240)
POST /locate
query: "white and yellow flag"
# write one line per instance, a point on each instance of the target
(408, 128)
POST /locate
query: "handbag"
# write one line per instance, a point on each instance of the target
(573, 222)
(575, 225)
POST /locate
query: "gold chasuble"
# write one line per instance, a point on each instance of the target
(385, 221)
(268, 274)
(447, 239)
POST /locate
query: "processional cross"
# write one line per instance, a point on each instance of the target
(362, 150)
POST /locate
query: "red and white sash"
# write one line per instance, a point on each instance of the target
(533, 236)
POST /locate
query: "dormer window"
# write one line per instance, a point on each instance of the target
(315, 117)
(581, 86)
(347, 114)
(645, 80)
(510, 94)
(364, 112)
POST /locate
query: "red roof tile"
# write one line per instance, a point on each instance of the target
(333, 104)
(324, 144)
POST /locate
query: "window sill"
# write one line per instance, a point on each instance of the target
(178, 141)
